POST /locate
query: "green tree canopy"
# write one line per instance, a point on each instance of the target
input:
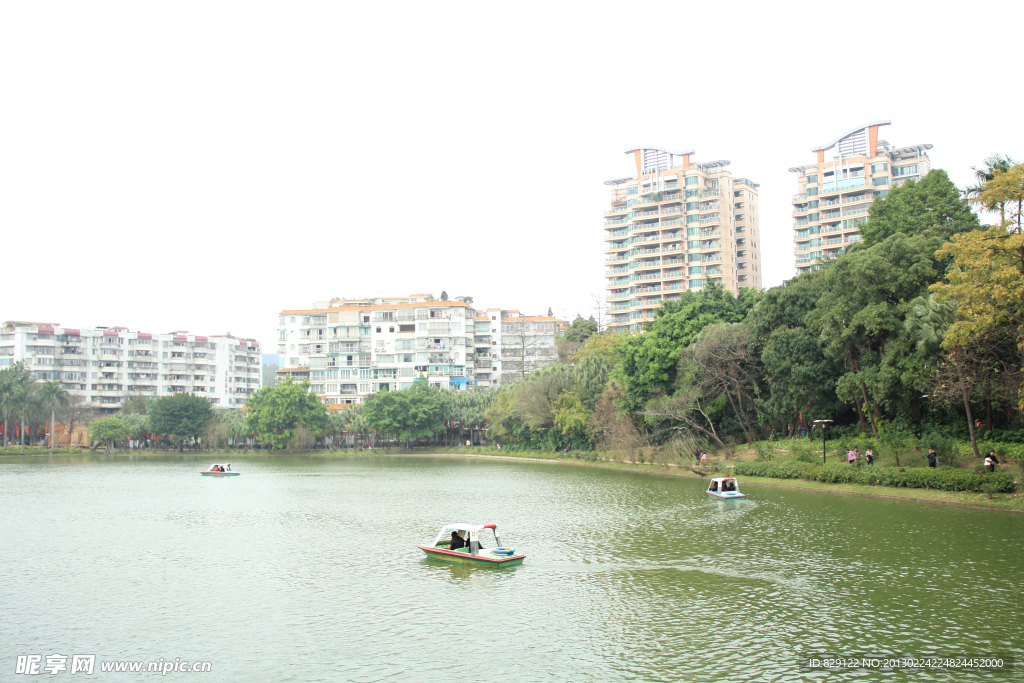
(648, 362)
(931, 207)
(274, 413)
(181, 415)
(580, 329)
(419, 411)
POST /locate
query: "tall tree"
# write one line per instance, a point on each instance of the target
(52, 397)
(109, 430)
(996, 162)
(648, 362)
(25, 400)
(275, 413)
(180, 416)
(930, 207)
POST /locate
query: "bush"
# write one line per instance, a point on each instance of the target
(765, 450)
(940, 479)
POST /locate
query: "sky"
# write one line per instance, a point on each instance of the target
(201, 166)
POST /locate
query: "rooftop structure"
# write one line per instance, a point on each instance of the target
(835, 193)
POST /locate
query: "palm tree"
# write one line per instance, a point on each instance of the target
(52, 396)
(24, 398)
(996, 162)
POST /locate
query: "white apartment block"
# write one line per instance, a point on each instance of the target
(349, 349)
(109, 365)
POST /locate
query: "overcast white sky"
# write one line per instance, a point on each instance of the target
(202, 165)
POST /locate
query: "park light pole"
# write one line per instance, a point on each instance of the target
(822, 423)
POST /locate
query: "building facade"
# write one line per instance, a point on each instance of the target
(834, 194)
(349, 349)
(109, 365)
(677, 225)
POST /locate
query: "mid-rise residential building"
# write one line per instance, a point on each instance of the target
(834, 194)
(351, 348)
(109, 365)
(678, 224)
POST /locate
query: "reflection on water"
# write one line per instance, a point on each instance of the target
(307, 569)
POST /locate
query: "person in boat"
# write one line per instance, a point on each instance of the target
(457, 541)
(714, 486)
(229, 468)
(728, 486)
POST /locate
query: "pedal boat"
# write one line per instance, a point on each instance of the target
(473, 553)
(725, 488)
(225, 471)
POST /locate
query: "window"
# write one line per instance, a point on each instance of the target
(692, 193)
(632, 190)
(812, 178)
(378, 328)
(391, 329)
(293, 319)
(883, 180)
(693, 244)
(879, 168)
(407, 328)
(904, 170)
(692, 206)
(812, 191)
(692, 180)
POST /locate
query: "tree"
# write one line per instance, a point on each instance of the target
(11, 377)
(987, 280)
(525, 347)
(996, 162)
(929, 207)
(444, 295)
(860, 319)
(550, 313)
(580, 330)
(274, 413)
(417, 412)
(51, 397)
(467, 299)
(180, 416)
(135, 424)
(76, 412)
(722, 362)
(25, 401)
(1004, 190)
(108, 430)
(648, 362)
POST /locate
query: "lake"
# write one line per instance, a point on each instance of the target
(306, 569)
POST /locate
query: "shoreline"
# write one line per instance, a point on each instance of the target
(1004, 502)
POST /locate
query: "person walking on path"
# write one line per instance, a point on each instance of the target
(869, 455)
(850, 456)
(933, 458)
(856, 455)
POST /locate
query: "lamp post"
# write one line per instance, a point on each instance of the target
(822, 423)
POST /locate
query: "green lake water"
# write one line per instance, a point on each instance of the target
(308, 570)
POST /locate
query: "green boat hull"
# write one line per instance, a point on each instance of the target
(465, 558)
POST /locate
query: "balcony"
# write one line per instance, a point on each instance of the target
(841, 185)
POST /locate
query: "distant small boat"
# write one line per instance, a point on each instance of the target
(725, 488)
(220, 470)
(468, 549)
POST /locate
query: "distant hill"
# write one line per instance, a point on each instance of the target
(270, 359)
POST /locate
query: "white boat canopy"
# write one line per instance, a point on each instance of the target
(473, 530)
(225, 465)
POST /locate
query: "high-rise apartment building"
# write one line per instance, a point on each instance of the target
(834, 194)
(677, 225)
(351, 348)
(109, 365)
